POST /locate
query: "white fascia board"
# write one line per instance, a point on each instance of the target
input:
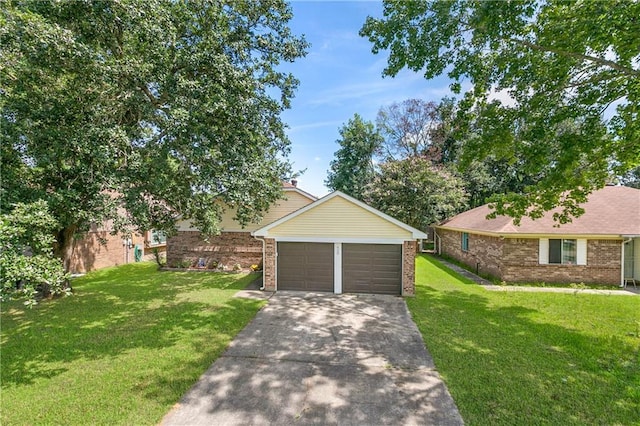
(531, 235)
(301, 192)
(416, 234)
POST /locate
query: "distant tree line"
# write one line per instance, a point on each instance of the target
(414, 162)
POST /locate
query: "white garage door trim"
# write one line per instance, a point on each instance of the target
(339, 240)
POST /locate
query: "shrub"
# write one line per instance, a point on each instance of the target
(27, 265)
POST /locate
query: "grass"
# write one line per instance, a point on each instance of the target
(515, 358)
(122, 350)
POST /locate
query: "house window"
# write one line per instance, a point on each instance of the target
(465, 241)
(563, 252)
(157, 238)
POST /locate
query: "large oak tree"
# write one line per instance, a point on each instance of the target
(565, 65)
(153, 108)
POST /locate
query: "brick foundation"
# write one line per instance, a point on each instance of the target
(516, 259)
(227, 249)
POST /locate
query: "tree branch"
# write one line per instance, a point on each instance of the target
(605, 62)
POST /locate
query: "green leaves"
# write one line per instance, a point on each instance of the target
(353, 166)
(155, 108)
(416, 192)
(27, 265)
(560, 61)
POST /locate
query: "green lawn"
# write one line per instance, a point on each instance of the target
(122, 350)
(516, 358)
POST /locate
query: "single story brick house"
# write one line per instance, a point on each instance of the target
(99, 248)
(600, 247)
(234, 245)
(334, 244)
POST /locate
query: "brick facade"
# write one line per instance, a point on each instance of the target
(603, 266)
(269, 267)
(227, 249)
(485, 253)
(409, 268)
(100, 249)
(516, 259)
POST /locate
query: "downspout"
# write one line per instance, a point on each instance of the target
(263, 264)
(437, 241)
(622, 260)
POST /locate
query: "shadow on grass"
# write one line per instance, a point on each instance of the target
(505, 362)
(118, 310)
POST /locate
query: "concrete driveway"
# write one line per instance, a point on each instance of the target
(312, 358)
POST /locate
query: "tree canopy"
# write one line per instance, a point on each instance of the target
(151, 108)
(408, 127)
(564, 65)
(353, 165)
(416, 192)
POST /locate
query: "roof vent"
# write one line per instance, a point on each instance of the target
(294, 182)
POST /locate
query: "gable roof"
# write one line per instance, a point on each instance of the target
(287, 187)
(610, 211)
(264, 231)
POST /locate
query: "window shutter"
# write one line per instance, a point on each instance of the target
(543, 251)
(581, 258)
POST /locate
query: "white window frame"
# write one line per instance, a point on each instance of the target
(152, 240)
(581, 251)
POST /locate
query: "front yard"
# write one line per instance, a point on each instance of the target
(530, 358)
(122, 350)
(132, 340)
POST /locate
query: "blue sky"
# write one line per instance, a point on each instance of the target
(338, 78)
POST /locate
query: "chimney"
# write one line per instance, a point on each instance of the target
(294, 182)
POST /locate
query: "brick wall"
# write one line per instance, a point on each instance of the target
(269, 267)
(603, 265)
(100, 249)
(485, 253)
(516, 259)
(409, 268)
(227, 249)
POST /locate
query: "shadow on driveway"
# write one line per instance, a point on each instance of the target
(313, 358)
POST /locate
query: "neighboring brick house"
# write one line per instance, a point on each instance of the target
(600, 247)
(98, 248)
(235, 245)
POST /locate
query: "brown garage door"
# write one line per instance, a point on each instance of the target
(372, 268)
(305, 266)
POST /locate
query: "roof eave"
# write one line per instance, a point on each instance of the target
(499, 234)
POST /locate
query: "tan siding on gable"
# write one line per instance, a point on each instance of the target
(293, 201)
(339, 218)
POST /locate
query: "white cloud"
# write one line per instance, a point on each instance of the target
(503, 96)
(319, 124)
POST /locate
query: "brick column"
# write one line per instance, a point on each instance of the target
(409, 268)
(269, 266)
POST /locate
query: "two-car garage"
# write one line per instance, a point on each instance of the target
(339, 244)
(365, 268)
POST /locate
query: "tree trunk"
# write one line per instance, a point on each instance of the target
(64, 245)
